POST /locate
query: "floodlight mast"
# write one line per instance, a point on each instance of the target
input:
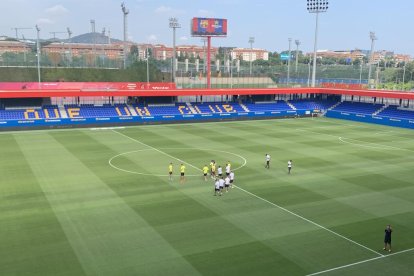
(297, 42)
(38, 55)
(125, 12)
(316, 6)
(174, 25)
(290, 55)
(251, 41)
(373, 37)
(70, 42)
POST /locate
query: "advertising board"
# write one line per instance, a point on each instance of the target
(208, 27)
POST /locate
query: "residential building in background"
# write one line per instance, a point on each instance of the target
(98, 44)
(356, 54)
(248, 54)
(16, 47)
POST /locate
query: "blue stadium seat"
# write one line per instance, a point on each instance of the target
(216, 107)
(392, 111)
(19, 114)
(312, 104)
(262, 107)
(358, 108)
(91, 111)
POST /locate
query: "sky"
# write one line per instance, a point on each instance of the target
(345, 26)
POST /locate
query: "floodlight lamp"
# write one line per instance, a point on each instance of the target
(174, 23)
(316, 6)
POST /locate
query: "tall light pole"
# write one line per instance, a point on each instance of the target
(371, 58)
(316, 6)
(204, 40)
(38, 54)
(174, 25)
(290, 55)
(403, 81)
(297, 42)
(93, 30)
(147, 56)
(70, 43)
(125, 12)
(251, 41)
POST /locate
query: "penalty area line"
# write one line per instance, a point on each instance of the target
(360, 262)
(310, 221)
(258, 197)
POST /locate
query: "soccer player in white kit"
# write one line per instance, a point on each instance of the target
(220, 171)
(289, 166)
(227, 183)
(231, 178)
(267, 166)
(228, 166)
(221, 182)
(217, 187)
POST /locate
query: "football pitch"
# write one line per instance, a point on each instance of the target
(99, 201)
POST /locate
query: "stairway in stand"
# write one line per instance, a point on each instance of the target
(380, 110)
(291, 105)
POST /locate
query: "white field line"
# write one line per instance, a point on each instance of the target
(162, 175)
(310, 221)
(160, 151)
(360, 262)
(364, 144)
(137, 126)
(301, 129)
(256, 196)
(377, 146)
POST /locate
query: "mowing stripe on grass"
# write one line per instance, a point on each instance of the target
(106, 234)
(343, 140)
(361, 262)
(265, 200)
(310, 221)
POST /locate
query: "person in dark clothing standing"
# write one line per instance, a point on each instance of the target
(387, 238)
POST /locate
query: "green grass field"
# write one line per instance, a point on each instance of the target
(98, 202)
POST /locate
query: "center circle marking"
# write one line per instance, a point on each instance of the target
(161, 175)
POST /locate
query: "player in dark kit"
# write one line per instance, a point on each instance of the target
(387, 238)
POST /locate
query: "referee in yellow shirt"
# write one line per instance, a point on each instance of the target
(182, 171)
(170, 171)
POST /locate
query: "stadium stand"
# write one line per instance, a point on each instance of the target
(393, 111)
(123, 110)
(166, 109)
(216, 107)
(47, 112)
(358, 108)
(91, 111)
(312, 104)
(275, 106)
